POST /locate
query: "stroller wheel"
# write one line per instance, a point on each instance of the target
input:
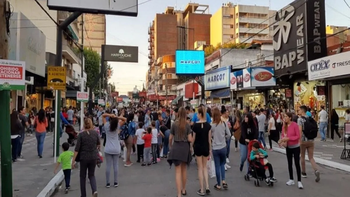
(257, 183)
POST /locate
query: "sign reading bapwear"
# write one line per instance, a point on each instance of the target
(56, 78)
(12, 75)
(82, 96)
(330, 66)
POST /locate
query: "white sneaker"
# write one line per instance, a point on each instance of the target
(227, 166)
(20, 159)
(290, 182)
(300, 185)
(227, 160)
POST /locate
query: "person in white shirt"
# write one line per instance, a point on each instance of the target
(272, 130)
(140, 142)
(154, 142)
(323, 121)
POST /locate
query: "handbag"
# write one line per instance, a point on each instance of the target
(237, 129)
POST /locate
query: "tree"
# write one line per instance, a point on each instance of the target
(92, 66)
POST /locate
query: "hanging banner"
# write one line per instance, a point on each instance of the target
(233, 81)
(239, 77)
(246, 78)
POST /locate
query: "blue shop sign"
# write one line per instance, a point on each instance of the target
(217, 79)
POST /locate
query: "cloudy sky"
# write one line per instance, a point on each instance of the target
(134, 31)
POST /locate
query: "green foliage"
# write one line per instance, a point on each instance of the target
(211, 49)
(92, 66)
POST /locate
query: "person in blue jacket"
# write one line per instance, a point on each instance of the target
(196, 119)
(64, 121)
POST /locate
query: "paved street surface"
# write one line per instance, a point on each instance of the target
(33, 174)
(158, 180)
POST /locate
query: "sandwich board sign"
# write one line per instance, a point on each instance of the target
(56, 78)
(12, 75)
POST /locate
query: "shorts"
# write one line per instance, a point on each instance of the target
(200, 151)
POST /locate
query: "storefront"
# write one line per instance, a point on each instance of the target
(335, 70)
(218, 82)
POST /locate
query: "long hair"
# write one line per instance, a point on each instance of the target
(216, 116)
(238, 115)
(130, 117)
(290, 115)
(14, 119)
(334, 114)
(223, 110)
(202, 112)
(88, 124)
(182, 122)
(41, 116)
(250, 122)
(113, 124)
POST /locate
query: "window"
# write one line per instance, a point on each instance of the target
(169, 76)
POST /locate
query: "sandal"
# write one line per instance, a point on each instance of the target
(200, 192)
(217, 187)
(184, 193)
(224, 185)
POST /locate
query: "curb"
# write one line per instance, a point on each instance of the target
(324, 162)
(51, 187)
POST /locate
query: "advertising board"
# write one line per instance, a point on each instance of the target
(189, 62)
(12, 75)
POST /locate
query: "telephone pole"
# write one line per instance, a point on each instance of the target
(5, 134)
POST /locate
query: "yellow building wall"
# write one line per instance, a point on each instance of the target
(216, 28)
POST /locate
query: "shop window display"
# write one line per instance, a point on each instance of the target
(305, 93)
(341, 101)
(254, 100)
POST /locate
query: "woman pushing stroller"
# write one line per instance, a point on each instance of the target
(258, 158)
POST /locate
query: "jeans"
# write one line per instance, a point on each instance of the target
(293, 153)
(220, 161)
(111, 159)
(154, 152)
(166, 143)
(140, 148)
(228, 146)
(21, 144)
(261, 138)
(40, 138)
(323, 129)
(67, 174)
(87, 165)
(15, 146)
(243, 149)
(147, 155)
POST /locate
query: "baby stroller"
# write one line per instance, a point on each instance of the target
(72, 135)
(254, 170)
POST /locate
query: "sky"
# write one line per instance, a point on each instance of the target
(133, 31)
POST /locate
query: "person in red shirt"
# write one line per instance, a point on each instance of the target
(147, 137)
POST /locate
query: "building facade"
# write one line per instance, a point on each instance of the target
(94, 31)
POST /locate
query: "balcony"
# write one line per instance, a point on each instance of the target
(254, 20)
(70, 52)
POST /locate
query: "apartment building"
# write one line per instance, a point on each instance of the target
(169, 31)
(94, 31)
(240, 24)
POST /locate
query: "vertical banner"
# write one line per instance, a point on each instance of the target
(239, 77)
(246, 78)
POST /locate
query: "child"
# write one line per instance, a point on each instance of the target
(259, 156)
(65, 159)
(154, 142)
(140, 142)
(147, 137)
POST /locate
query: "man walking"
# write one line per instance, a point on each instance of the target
(306, 145)
(261, 123)
(70, 113)
(323, 120)
(25, 124)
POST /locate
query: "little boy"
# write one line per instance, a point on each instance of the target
(259, 156)
(147, 137)
(65, 159)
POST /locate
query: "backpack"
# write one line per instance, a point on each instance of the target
(310, 128)
(132, 128)
(124, 133)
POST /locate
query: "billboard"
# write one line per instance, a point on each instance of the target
(246, 78)
(262, 77)
(239, 78)
(331, 66)
(117, 53)
(189, 62)
(299, 36)
(114, 7)
(217, 79)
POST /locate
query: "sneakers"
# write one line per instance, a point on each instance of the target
(227, 161)
(272, 179)
(300, 185)
(20, 159)
(116, 184)
(227, 166)
(95, 194)
(304, 175)
(66, 191)
(128, 164)
(108, 185)
(317, 174)
(290, 182)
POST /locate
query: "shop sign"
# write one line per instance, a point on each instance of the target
(246, 78)
(239, 77)
(56, 78)
(143, 94)
(191, 89)
(218, 78)
(233, 81)
(120, 99)
(331, 66)
(82, 96)
(299, 33)
(288, 93)
(263, 77)
(121, 53)
(27, 44)
(12, 75)
(101, 102)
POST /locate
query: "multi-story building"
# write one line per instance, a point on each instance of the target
(240, 24)
(169, 31)
(94, 31)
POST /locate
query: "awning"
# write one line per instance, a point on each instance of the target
(176, 100)
(223, 93)
(75, 37)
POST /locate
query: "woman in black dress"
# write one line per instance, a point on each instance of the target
(180, 155)
(202, 146)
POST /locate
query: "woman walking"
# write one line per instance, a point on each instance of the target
(129, 141)
(87, 147)
(335, 125)
(202, 149)
(291, 140)
(237, 128)
(272, 130)
(249, 132)
(226, 119)
(112, 147)
(180, 155)
(40, 124)
(220, 134)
